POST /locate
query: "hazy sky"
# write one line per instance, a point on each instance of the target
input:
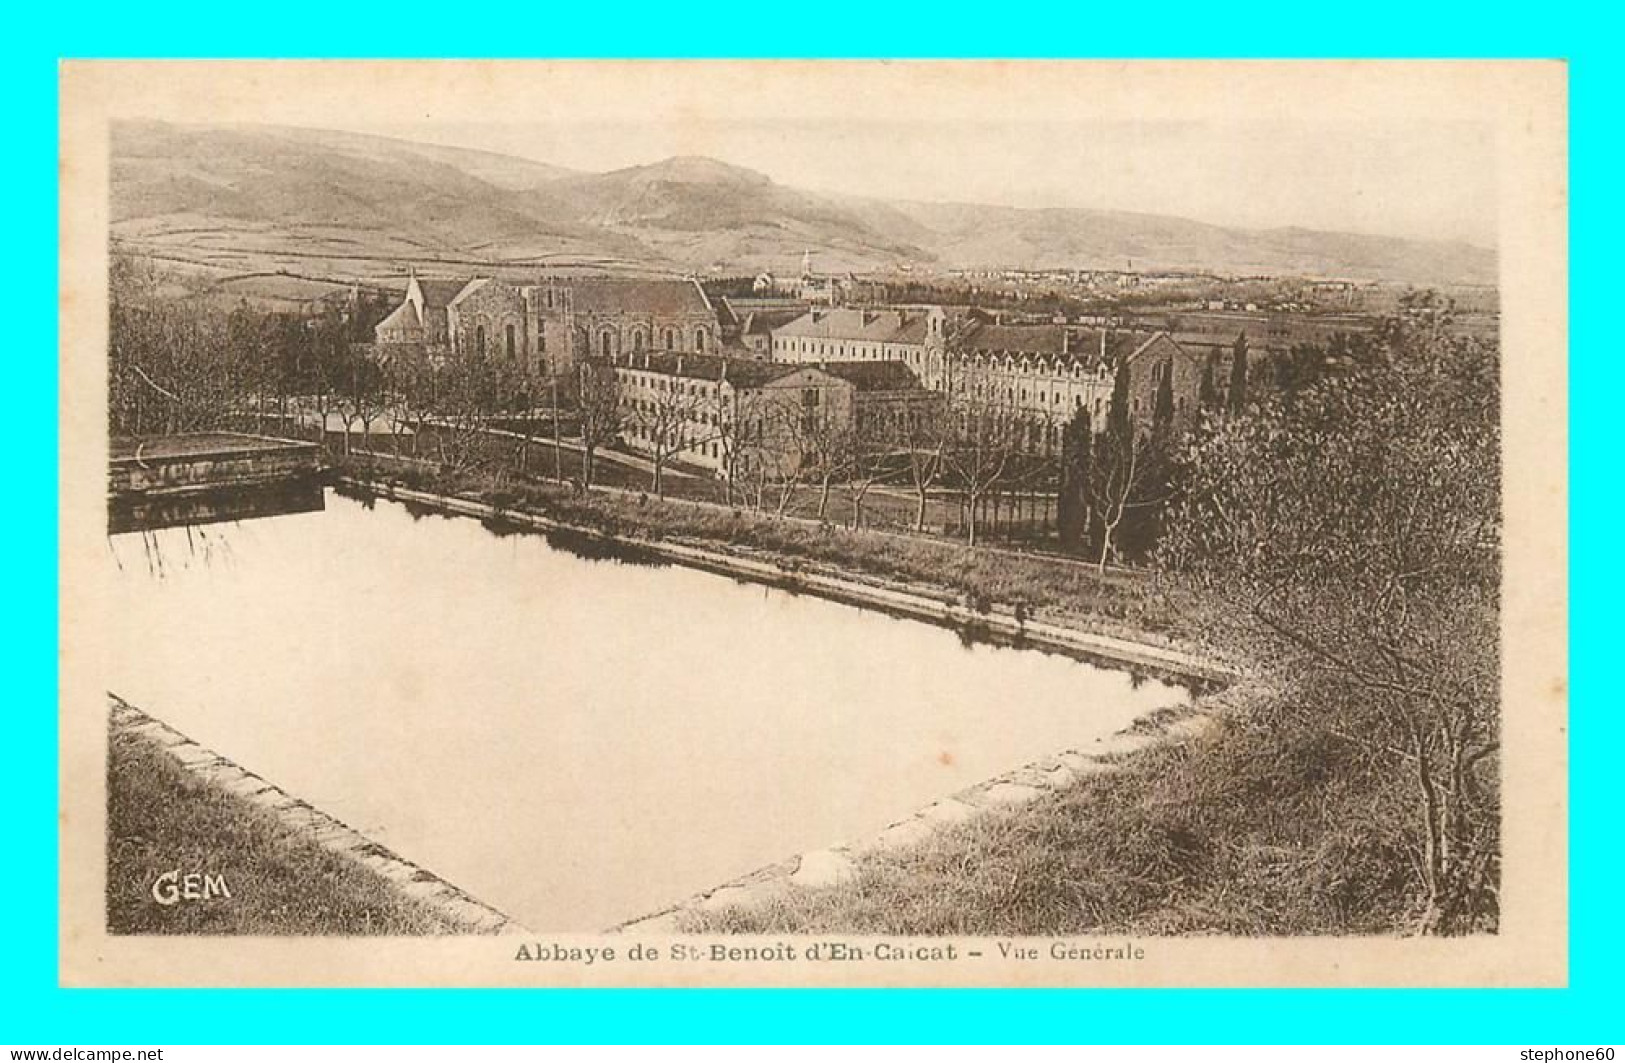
(1402, 148)
(1408, 178)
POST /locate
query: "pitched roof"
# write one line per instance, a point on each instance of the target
(440, 293)
(403, 316)
(874, 376)
(647, 295)
(1018, 339)
(743, 304)
(760, 322)
(879, 326)
(468, 289)
(913, 331)
(727, 316)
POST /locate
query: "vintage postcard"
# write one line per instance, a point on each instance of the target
(816, 523)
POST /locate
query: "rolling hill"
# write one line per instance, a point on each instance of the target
(266, 197)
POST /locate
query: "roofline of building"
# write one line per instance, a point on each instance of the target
(474, 284)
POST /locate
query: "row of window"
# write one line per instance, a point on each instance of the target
(839, 350)
(673, 385)
(668, 341)
(1011, 365)
(1010, 393)
(510, 340)
(649, 407)
(890, 418)
(683, 443)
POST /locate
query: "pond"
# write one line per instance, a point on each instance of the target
(574, 738)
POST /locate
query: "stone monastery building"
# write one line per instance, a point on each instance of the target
(552, 324)
(1037, 375)
(1048, 372)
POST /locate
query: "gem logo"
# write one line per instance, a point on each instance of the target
(172, 887)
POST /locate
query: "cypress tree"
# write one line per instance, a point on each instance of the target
(1117, 418)
(1072, 506)
(1109, 466)
(1238, 374)
(1209, 396)
(1162, 414)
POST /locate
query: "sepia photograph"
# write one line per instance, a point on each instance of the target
(813, 523)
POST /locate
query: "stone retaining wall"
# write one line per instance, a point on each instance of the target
(411, 880)
(824, 868)
(1157, 661)
(252, 460)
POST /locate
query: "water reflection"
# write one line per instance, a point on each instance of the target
(596, 548)
(136, 513)
(501, 525)
(418, 510)
(356, 492)
(575, 743)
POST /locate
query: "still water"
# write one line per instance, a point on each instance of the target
(576, 741)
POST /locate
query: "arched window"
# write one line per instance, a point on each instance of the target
(637, 339)
(699, 340)
(606, 343)
(669, 339)
(510, 340)
(479, 340)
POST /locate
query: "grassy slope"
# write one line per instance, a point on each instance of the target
(161, 818)
(1251, 830)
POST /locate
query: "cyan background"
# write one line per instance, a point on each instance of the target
(32, 1010)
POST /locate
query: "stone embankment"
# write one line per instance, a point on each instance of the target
(411, 880)
(825, 868)
(1160, 661)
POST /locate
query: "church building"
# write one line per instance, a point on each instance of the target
(550, 325)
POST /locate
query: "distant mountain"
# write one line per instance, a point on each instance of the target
(698, 212)
(254, 196)
(973, 236)
(237, 196)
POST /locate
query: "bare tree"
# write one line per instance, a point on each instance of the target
(322, 361)
(467, 393)
(786, 432)
(1128, 471)
(363, 397)
(171, 364)
(1117, 482)
(412, 383)
(872, 459)
(925, 439)
(252, 342)
(1030, 480)
(826, 449)
(514, 398)
(977, 460)
(600, 413)
(673, 419)
(736, 421)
